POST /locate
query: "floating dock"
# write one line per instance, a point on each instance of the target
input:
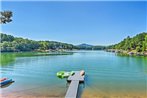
(74, 84)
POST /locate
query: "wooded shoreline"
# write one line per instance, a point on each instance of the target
(127, 53)
(135, 46)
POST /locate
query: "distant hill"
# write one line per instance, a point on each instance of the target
(135, 44)
(85, 46)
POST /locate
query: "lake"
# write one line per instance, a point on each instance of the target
(107, 75)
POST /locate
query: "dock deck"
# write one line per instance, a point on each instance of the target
(73, 87)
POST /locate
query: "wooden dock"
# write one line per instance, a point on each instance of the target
(74, 84)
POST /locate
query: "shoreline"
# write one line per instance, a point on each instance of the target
(127, 53)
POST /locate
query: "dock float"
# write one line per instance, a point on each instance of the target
(74, 84)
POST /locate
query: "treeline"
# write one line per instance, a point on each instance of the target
(90, 47)
(10, 43)
(137, 43)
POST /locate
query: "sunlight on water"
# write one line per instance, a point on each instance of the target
(107, 75)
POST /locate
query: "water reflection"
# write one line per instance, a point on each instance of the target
(106, 75)
(8, 58)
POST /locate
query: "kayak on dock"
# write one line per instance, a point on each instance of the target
(64, 74)
(5, 81)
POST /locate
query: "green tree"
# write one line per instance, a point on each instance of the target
(5, 17)
(138, 43)
(5, 37)
(145, 43)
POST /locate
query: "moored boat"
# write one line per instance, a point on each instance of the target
(5, 81)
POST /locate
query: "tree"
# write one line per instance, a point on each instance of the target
(5, 17)
(5, 37)
(146, 42)
(138, 43)
(138, 49)
(127, 44)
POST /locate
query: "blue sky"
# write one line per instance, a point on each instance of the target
(97, 23)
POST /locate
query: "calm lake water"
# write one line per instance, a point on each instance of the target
(107, 75)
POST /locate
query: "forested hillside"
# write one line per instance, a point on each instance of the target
(15, 44)
(10, 43)
(137, 43)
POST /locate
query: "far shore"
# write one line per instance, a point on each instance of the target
(128, 53)
(66, 51)
(43, 51)
(51, 51)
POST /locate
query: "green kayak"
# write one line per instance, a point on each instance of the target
(64, 74)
